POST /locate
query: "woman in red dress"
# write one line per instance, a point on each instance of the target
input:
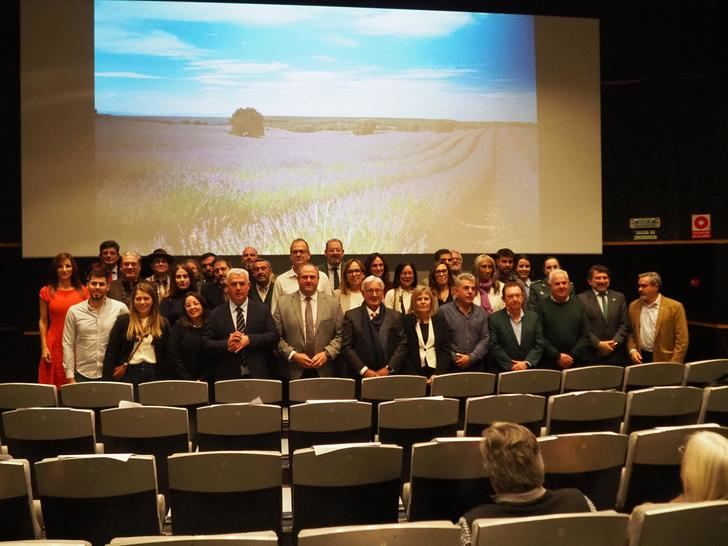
(63, 290)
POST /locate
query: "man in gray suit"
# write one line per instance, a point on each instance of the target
(606, 314)
(309, 323)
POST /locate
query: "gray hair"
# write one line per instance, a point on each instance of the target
(654, 277)
(133, 254)
(465, 277)
(237, 271)
(557, 273)
(372, 279)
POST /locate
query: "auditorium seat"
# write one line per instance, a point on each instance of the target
(462, 386)
(425, 533)
(447, 479)
(590, 378)
(99, 498)
(329, 422)
(391, 387)
(655, 374)
(680, 524)
(256, 538)
(225, 492)
(179, 394)
(591, 462)
(533, 381)
(661, 407)
(17, 518)
(96, 396)
(268, 391)
(321, 388)
(525, 409)
(706, 373)
(592, 528)
(714, 408)
(25, 395)
(585, 411)
(251, 427)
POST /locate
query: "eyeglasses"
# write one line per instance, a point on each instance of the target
(373, 291)
(441, 272)
(353, 271)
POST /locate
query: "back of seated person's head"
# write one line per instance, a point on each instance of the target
(704, 470)
(512, 458)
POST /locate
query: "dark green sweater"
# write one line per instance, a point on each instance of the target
(564, 329)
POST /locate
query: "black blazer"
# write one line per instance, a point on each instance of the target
(442, 345)
(614, 326)
(187, 358)
(504, 346)
(357, 350)
(261, 330)
(119, 348)
(253, 295)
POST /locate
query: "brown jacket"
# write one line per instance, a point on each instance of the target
(671, 330)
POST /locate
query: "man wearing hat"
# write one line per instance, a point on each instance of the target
(160, 262)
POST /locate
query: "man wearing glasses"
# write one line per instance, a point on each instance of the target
(373, 339)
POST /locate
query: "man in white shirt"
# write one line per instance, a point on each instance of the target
(287, 283)
(86, 330)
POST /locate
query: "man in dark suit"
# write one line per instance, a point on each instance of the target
(607, 322)
(334, 253)
(373, 337)
(262, 289)
(215, 292)
(240, 334)
(309, 323)
(516, 335)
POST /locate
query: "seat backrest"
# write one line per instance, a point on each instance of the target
(652, 470)
(714, 408)
(655, 374)
(534, 381)
(592, 528)
(17, 521)
(25, 395)
(257, 538)
(391, 387)
(348, 486)
(98, 498)
(430, 533)
(225, 492)
(321, 388)
(661, 407)
(588, 378)
(591, 462)
(463, 385)
(705, 373)
(239, 427)
(447, 479)
(678, 524)
(96, 394)
(269, 391)
(585, 411)
(525, 409)
(330, 422)
(178, 393)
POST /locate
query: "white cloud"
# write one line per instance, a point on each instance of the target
(154, 43)
(411, 23)
(433, 73)
(226, 72)
(339, 41)
(131, 75)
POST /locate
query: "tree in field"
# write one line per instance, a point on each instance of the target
(247, 122)
(365, 127)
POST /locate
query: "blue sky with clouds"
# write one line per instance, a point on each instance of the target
(201, 59)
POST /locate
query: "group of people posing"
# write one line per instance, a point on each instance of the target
(207, 321)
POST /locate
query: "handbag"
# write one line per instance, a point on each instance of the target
(120, 370)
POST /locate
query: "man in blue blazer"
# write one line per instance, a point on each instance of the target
(240, 334)
(516, 336)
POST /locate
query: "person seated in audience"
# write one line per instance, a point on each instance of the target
(196, 269)
(215, 292)
(373, 340)
(514, 464)
(523, 274)
(173, 306)
(137, 348)
(428, 336)
(442, 283)
(443, 256)
(262, 289)
(516, 335)
(456, 263)
(540, 289)
(565, 330)
(122, 288)
(703, 473)
(351, 278)
(468, 325)
(374, 264)
(488, 295)
(188, 358)
(161, 263)
(287, 283)
(505, 260)
(405, 279)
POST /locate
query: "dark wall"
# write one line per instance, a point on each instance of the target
(664, 154)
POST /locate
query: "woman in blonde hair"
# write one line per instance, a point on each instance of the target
(489, 295)
(138, 341)
(428, 336)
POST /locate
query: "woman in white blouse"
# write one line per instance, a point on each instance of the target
(405, 279)
(428, 336)
(351, 279)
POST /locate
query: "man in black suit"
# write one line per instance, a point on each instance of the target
(215, 292)
(240, 334)
(516, 335)
(262, 288)
(373, 339)
(334, 253)
(606, 314)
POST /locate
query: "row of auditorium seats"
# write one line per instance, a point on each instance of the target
(100, 497)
